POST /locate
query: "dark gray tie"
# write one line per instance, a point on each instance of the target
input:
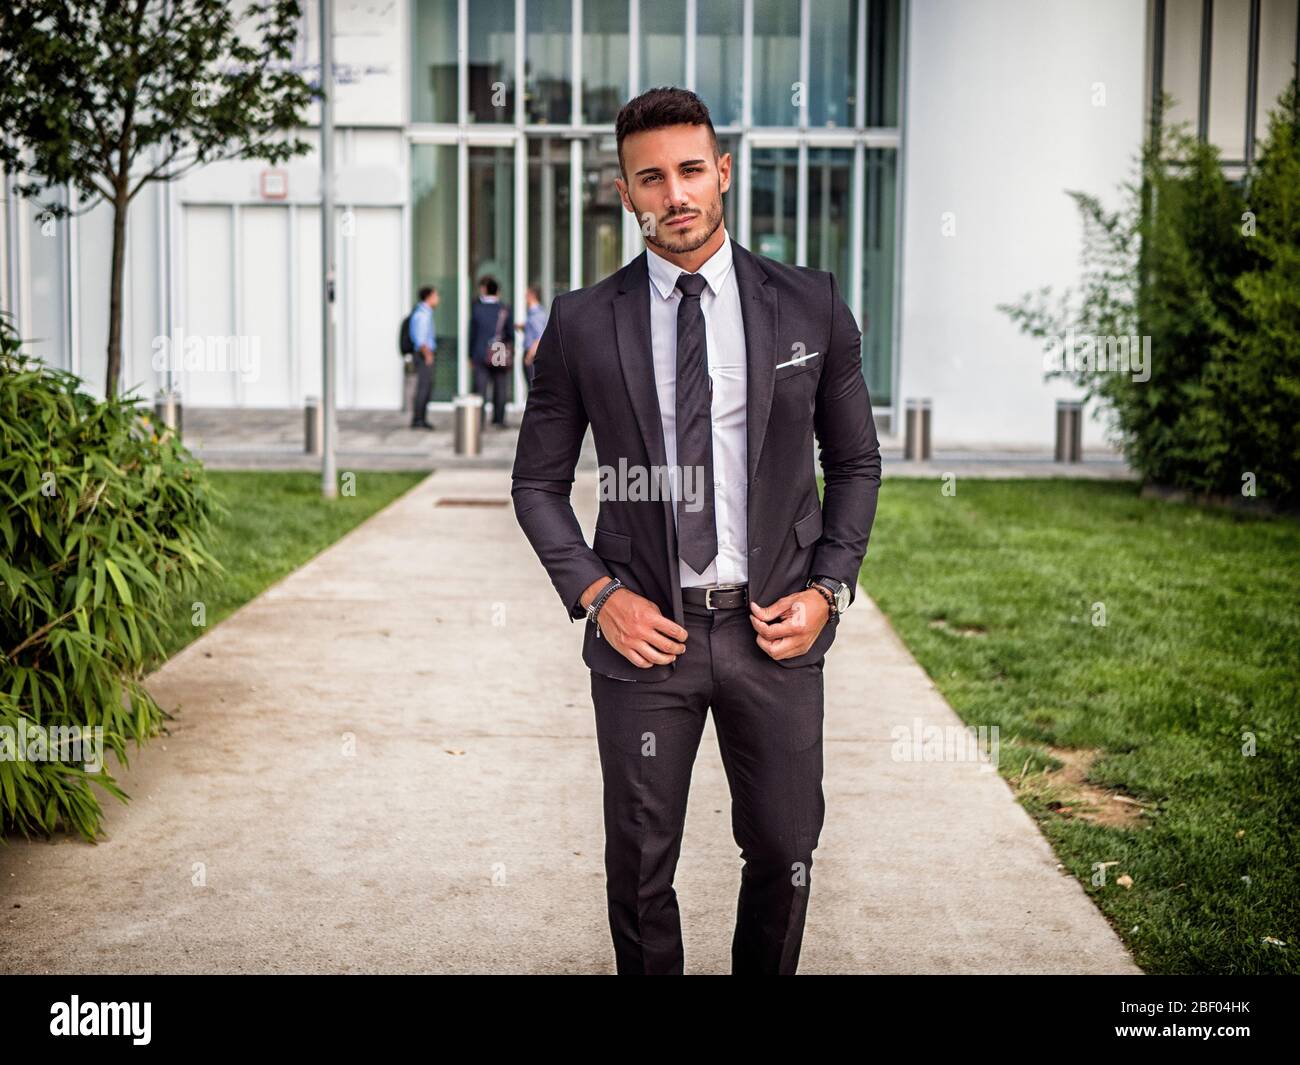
(697, 532)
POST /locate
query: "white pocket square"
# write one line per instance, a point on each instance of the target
(798, 360)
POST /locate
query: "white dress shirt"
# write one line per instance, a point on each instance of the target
(725, 337)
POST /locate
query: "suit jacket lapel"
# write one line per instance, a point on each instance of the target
(632, 331)
(759, 310)
(636, 355)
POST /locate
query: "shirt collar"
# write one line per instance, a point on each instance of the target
(663, 274)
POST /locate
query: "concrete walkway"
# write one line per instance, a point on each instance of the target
(387, 763)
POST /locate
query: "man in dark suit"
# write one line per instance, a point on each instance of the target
(486, 331)
(716, 575)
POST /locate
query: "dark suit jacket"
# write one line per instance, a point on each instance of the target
(483, 328)
(595, 366)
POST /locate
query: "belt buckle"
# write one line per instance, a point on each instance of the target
(708, 594)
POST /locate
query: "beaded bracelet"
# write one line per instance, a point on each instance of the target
(826, 594)
(599, 601)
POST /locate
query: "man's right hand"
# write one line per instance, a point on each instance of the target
(636, 628)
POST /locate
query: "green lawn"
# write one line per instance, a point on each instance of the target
(994, 590)
(274, 523)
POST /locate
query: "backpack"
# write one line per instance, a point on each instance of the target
(501, 352)
(405, 344)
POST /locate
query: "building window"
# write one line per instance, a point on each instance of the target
(730, 145)
(884, 32)
(830, 200)
(1229, 73)
(1222, 65)
(491, 61)
(602, 210)
(776, 63)
(548, 62)
(1279, 52)
(433, 251)
(775, 200)
(433, 61)
(492, 226)
(833, 64)
(47, 243)
(876, 319)
(548, 216)
(604, 61)
(663, 43)
(719, 59)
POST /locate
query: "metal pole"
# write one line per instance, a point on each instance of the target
(328, 474)
(1069, 430)
(916, 431)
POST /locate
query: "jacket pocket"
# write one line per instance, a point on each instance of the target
(612, 546)
(808, 529)
(795, 370)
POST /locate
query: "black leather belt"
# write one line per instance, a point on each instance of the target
(718, 596)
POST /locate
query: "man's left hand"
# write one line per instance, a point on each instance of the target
(792, 624)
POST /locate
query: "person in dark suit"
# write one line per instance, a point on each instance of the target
(716, 575)
(485, 330)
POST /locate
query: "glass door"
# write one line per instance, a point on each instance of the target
(549, 215)
(492, 230)
(602, 210)
(433, 253)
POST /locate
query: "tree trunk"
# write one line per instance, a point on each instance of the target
(114, 372)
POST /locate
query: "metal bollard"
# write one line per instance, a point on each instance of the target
(1069, 430)
(167, 410)
(916, 431)
(469, 424)
(313, 429)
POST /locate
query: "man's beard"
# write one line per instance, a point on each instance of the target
(664, 236)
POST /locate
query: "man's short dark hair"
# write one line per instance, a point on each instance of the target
(489, 284)
(657, 108)
(426, 291)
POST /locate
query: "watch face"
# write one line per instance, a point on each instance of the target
(842, 598)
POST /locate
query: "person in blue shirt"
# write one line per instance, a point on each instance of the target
(426, 343)
(533, 327)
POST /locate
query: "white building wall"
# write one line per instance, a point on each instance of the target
(143, 297)
(1000, 121)
(243, 265)
(4, 253)
(251, 269)
(251, 266)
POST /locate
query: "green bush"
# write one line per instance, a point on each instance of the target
(103, 526)
(1255, 374)
(1210, 271)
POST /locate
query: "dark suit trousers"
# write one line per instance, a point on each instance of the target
(497, 377)
(769, 723)
(423, 388)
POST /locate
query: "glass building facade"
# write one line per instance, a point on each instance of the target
(513, 156)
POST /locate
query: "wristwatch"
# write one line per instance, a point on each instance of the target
(838, 589)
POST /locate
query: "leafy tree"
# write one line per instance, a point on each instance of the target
(109, 95)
